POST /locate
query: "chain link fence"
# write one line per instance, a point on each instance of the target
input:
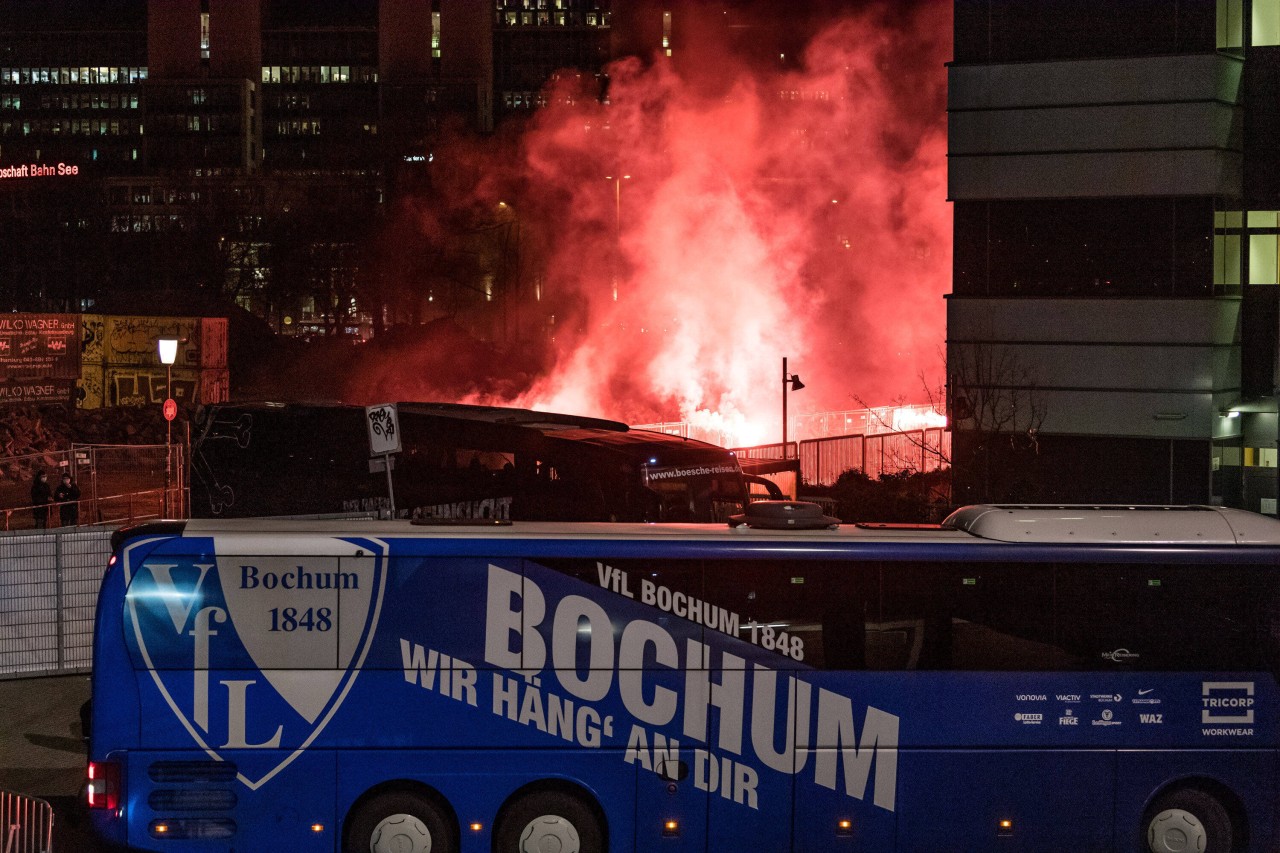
(118, 483)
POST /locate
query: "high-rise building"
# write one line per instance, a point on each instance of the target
(149, 144)
(1114, 170)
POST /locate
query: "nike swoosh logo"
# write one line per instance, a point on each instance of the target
(1145, 692)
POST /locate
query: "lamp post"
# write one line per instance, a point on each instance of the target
(168, 355)
(617, 225)
(790, 382)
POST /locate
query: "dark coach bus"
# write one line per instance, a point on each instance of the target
(263, 459)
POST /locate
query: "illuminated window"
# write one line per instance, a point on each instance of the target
(1266, 23)
(204, 35)
(1226, 247)
(435, 35)
(1263, 256)
(1230, 23)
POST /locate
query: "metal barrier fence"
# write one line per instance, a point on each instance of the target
(119, 483)
(823, 460)
(48, 589)
(26, 824)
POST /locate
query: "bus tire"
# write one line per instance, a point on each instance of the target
(1189, 820)
(399, 822)
(549, 820)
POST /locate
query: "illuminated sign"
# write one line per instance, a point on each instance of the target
(39, 346)
(39, 170)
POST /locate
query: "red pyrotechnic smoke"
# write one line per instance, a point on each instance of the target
(694, 233)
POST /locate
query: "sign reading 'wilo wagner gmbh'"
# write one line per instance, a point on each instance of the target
(39, 346)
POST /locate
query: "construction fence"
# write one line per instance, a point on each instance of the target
(118, 483)
(48, 591)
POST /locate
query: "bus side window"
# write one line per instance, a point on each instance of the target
(809, 613)
(979, 616)
(1158, 617)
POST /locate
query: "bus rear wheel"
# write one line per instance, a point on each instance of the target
(399, 822)
(549, 822)
(1189, 821)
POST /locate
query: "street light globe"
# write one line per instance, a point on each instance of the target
(168, 350)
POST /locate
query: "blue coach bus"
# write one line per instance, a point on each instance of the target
(1020, 679)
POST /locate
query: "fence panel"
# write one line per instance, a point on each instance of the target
(48, 589)
(823, 460)
(26, 824)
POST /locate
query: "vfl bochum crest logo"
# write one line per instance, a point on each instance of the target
(252, 646)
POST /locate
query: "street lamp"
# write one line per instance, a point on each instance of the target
(617, 223)
(790, 382)
(168, 355)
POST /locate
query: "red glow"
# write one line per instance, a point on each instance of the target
(733, 254)
(708, 221)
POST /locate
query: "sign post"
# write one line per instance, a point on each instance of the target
(383, 425)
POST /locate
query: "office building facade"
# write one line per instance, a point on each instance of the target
(178, 145)
(1115, 177)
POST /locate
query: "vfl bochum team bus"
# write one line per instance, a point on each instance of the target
(1018, 679)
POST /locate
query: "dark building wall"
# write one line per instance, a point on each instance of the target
(1262, 129)
(1080, 469)
(235, 39)
(173, 38)
(1019, 31)
(404, 40)
(1095, 248)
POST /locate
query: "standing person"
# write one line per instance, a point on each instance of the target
(67, 496)
(40, 497)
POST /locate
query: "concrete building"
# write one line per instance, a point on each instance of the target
(1112, 329)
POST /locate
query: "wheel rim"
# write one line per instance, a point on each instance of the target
(1176, 831)
(400, 833)
(549, 833)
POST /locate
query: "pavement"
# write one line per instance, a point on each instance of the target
(41, 751)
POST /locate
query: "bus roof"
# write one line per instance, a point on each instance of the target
(1151, 525)
(1063, 525)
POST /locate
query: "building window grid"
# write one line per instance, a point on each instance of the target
(293, 74)
(1246, 248)
(97, 75)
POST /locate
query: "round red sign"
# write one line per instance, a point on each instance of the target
(170, 409)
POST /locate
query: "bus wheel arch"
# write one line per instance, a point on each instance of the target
(1190, 809)
(551, 806)
(417, 812)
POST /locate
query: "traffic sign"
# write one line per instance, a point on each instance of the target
(384, 429)
(170, 409)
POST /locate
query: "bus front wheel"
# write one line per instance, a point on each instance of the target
(399, 822)
(549, 820)
(1189, 821)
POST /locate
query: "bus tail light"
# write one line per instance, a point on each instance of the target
(103, 788)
